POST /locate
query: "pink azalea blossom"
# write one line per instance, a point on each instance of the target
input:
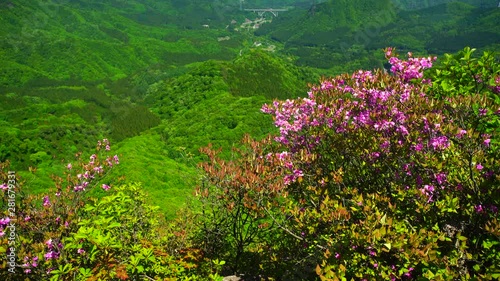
(5, 221)
(46, 201)
(461, 133)
(51, 255)
(486, 142)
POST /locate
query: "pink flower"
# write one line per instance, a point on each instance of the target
(288, 179)
(479, 208)
(46, 201)
(461, 133)
(298, 173)
(51, 255)
(337, 255)
(479, 166)
(98, 169)
(106, 187)
(440, 143)
(441, 178)
(408, 274)
(4, 186)
(81, 251)
(108, 148)
(49, 243)
(69, 166)
(418, 147)
(5, 221)
(486, 142)
(388, 52)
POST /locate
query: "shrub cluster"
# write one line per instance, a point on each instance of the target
(374, 176)
(85, 229)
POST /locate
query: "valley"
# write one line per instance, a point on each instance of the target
(73, 72)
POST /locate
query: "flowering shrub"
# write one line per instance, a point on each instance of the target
(378, 179)
(43, 221)
(70, 235)
(391, 179)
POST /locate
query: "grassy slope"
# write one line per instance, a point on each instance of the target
(211, 103)
(218, 102)
(144, 159)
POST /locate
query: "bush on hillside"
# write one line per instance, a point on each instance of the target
(372, 178)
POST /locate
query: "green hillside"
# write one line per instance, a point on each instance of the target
(90, 41)
(218, 102)
(49, 118)
(341, 35)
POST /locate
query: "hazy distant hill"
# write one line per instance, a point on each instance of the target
(422, 4)
(343, 32)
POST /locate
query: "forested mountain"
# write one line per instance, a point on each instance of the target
(87, 41)
(350, 33)
(75, 71)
